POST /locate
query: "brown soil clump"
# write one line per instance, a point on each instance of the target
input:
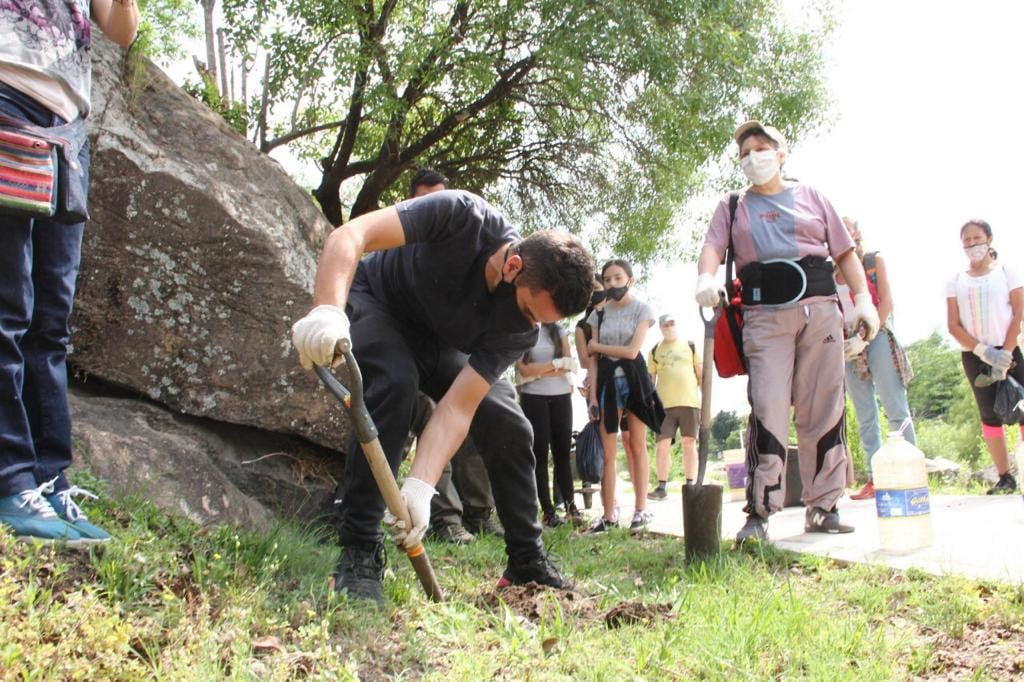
(634, 613)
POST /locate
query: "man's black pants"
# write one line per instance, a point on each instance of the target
(396, 359)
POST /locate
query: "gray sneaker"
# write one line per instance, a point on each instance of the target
(452, 533)
(754, 530)
(641, 520)
(820, 521)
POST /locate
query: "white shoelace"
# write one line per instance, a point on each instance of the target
(35, 500)
(72, 510)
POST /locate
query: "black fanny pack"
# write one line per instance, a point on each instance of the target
(782, 281)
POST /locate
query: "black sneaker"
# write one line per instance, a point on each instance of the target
(452, 533)
(657, 494)
(537, 569)
(641, 520)
(602, 525)
(754, 530)
(360, 572)
(1006, 485)
(818, 520)
(482, 522)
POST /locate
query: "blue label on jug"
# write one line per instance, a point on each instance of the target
(901, 503)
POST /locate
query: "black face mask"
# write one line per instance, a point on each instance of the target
(596, 298)
(616, 293)
(505, 315)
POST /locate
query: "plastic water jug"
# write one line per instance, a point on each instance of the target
(736, 472)
(901, 496)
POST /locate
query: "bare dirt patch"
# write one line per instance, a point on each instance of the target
(992, 648)
(531, 601)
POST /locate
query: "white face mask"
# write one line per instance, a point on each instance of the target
(760, 166)
(977, 252)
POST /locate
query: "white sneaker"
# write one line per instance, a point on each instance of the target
(641, 519)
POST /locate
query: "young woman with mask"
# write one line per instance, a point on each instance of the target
(984, 306)
(622, 387)
(547, 403)
(782, 237)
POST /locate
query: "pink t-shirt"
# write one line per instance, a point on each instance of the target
(794, 223)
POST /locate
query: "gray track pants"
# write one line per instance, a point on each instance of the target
(795, 357)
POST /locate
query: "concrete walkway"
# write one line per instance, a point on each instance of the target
(974, 535)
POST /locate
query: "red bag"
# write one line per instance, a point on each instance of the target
(729, 358)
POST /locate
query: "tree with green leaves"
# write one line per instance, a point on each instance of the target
(723, 425)
(939, 383)
(567, 113)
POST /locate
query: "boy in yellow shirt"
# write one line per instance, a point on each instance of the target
(675, 368)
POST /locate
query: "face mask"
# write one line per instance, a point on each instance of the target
(977, 252)
(760, 167)
(596, 298)
(505, 315)
(616, 293)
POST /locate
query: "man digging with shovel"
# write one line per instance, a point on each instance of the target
(448, 299)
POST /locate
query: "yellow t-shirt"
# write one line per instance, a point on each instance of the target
(675, 366)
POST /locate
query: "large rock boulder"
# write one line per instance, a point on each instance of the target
(210, 472)
(200, 254)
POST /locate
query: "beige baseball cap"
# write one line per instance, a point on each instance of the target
(767, 131)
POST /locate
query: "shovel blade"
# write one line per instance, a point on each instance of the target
(702, 521)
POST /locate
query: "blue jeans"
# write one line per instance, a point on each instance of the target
(885, 380)
(38, 268)
(621, 393)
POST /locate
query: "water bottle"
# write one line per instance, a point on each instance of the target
(901, 496)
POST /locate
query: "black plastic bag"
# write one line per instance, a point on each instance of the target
(1009, 403)
(589, 454)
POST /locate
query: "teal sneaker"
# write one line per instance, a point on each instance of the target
(31, 517)
(73, 514)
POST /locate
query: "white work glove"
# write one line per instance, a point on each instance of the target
(708, 293)
(864, 312)
(317, 336)
(997, 358)
(416, 494)
(853, 347)
(999, 374)
(569, 364)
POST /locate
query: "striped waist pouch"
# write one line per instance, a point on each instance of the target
(40, 172)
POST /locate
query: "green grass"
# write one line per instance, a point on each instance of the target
(171, 600)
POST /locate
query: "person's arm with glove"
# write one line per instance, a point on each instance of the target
(320, 336)
(417, 495)
(864, 312)
(708, 292)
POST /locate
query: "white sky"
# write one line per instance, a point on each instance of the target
(927, 97)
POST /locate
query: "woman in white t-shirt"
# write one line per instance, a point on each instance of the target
(622, 387)
(546, 398)
(984, 307)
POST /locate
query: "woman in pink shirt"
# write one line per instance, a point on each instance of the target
(783, 236)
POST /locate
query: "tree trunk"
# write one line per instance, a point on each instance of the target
(211, 50)
(223, 66)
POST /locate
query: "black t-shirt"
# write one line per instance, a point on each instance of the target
(436, 281)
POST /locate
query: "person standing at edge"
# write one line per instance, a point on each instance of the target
(463, 507)
(448, 298)
(45, 81)
(876, 370)
(782, 235)
(675, 368)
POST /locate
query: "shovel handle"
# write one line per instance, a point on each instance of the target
(366, 433)
(706, 377)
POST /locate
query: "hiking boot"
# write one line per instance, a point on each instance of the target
(658, 493)
(865, 493)
(820, 521)
(73, 514)
(537, 569)
(453, 533)
(1006, 485)
(602, 525)
(360, 572)
(482, 522)
(754, 530)
(552, 519)
(31, 517)
(640, 521)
